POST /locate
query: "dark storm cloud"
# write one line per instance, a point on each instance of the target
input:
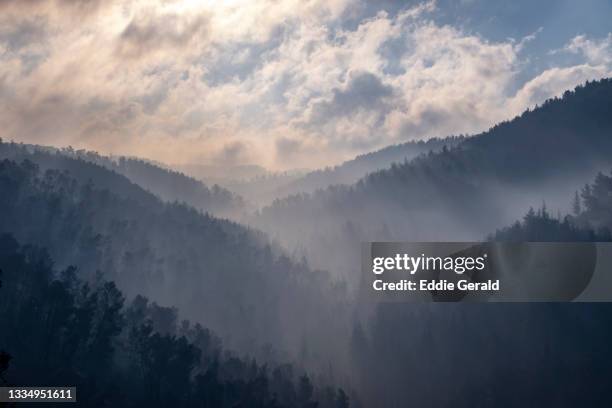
(364, 91)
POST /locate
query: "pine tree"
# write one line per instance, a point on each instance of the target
(576, 205)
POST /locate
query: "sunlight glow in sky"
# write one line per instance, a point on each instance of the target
(282, 83)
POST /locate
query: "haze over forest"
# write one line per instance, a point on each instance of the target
(184, 187)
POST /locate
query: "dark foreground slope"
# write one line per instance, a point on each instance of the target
(57, 330)
(485, 355)
(215, 271)
(502, 355)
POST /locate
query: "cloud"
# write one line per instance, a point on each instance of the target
(363, 91)
(282, 83)
(452, 82)
(233, 153)
(151, 32)
(71, 9)
(596, 63)
(444, 81)
(286, 147)
(596, 51)
(20, 34)
(553, 82)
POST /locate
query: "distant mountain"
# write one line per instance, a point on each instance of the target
(257, 185)
(167, 184)
(459, 193)
(351, 171)
(261, 186)
(222, 174)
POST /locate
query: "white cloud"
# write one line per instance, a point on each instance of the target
(553, 82)
(597, 52)
(279, 83)
(596, 64)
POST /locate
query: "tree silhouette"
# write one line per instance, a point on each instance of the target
(576, 205)
(61, 330)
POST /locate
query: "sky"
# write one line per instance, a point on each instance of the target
(284, 83)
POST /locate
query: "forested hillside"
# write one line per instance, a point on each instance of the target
(351, 171)
(590, 220)
(57, 330)
(496, 354)
(472, 351)
(217, 272)
(459, 193)
(262, 188)
(264, 303)
(167, 184)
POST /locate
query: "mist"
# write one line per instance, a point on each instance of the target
(202, 242)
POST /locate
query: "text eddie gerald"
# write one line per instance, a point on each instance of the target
(415, 264)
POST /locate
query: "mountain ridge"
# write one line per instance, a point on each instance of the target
(167, 184)
(459, 193)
